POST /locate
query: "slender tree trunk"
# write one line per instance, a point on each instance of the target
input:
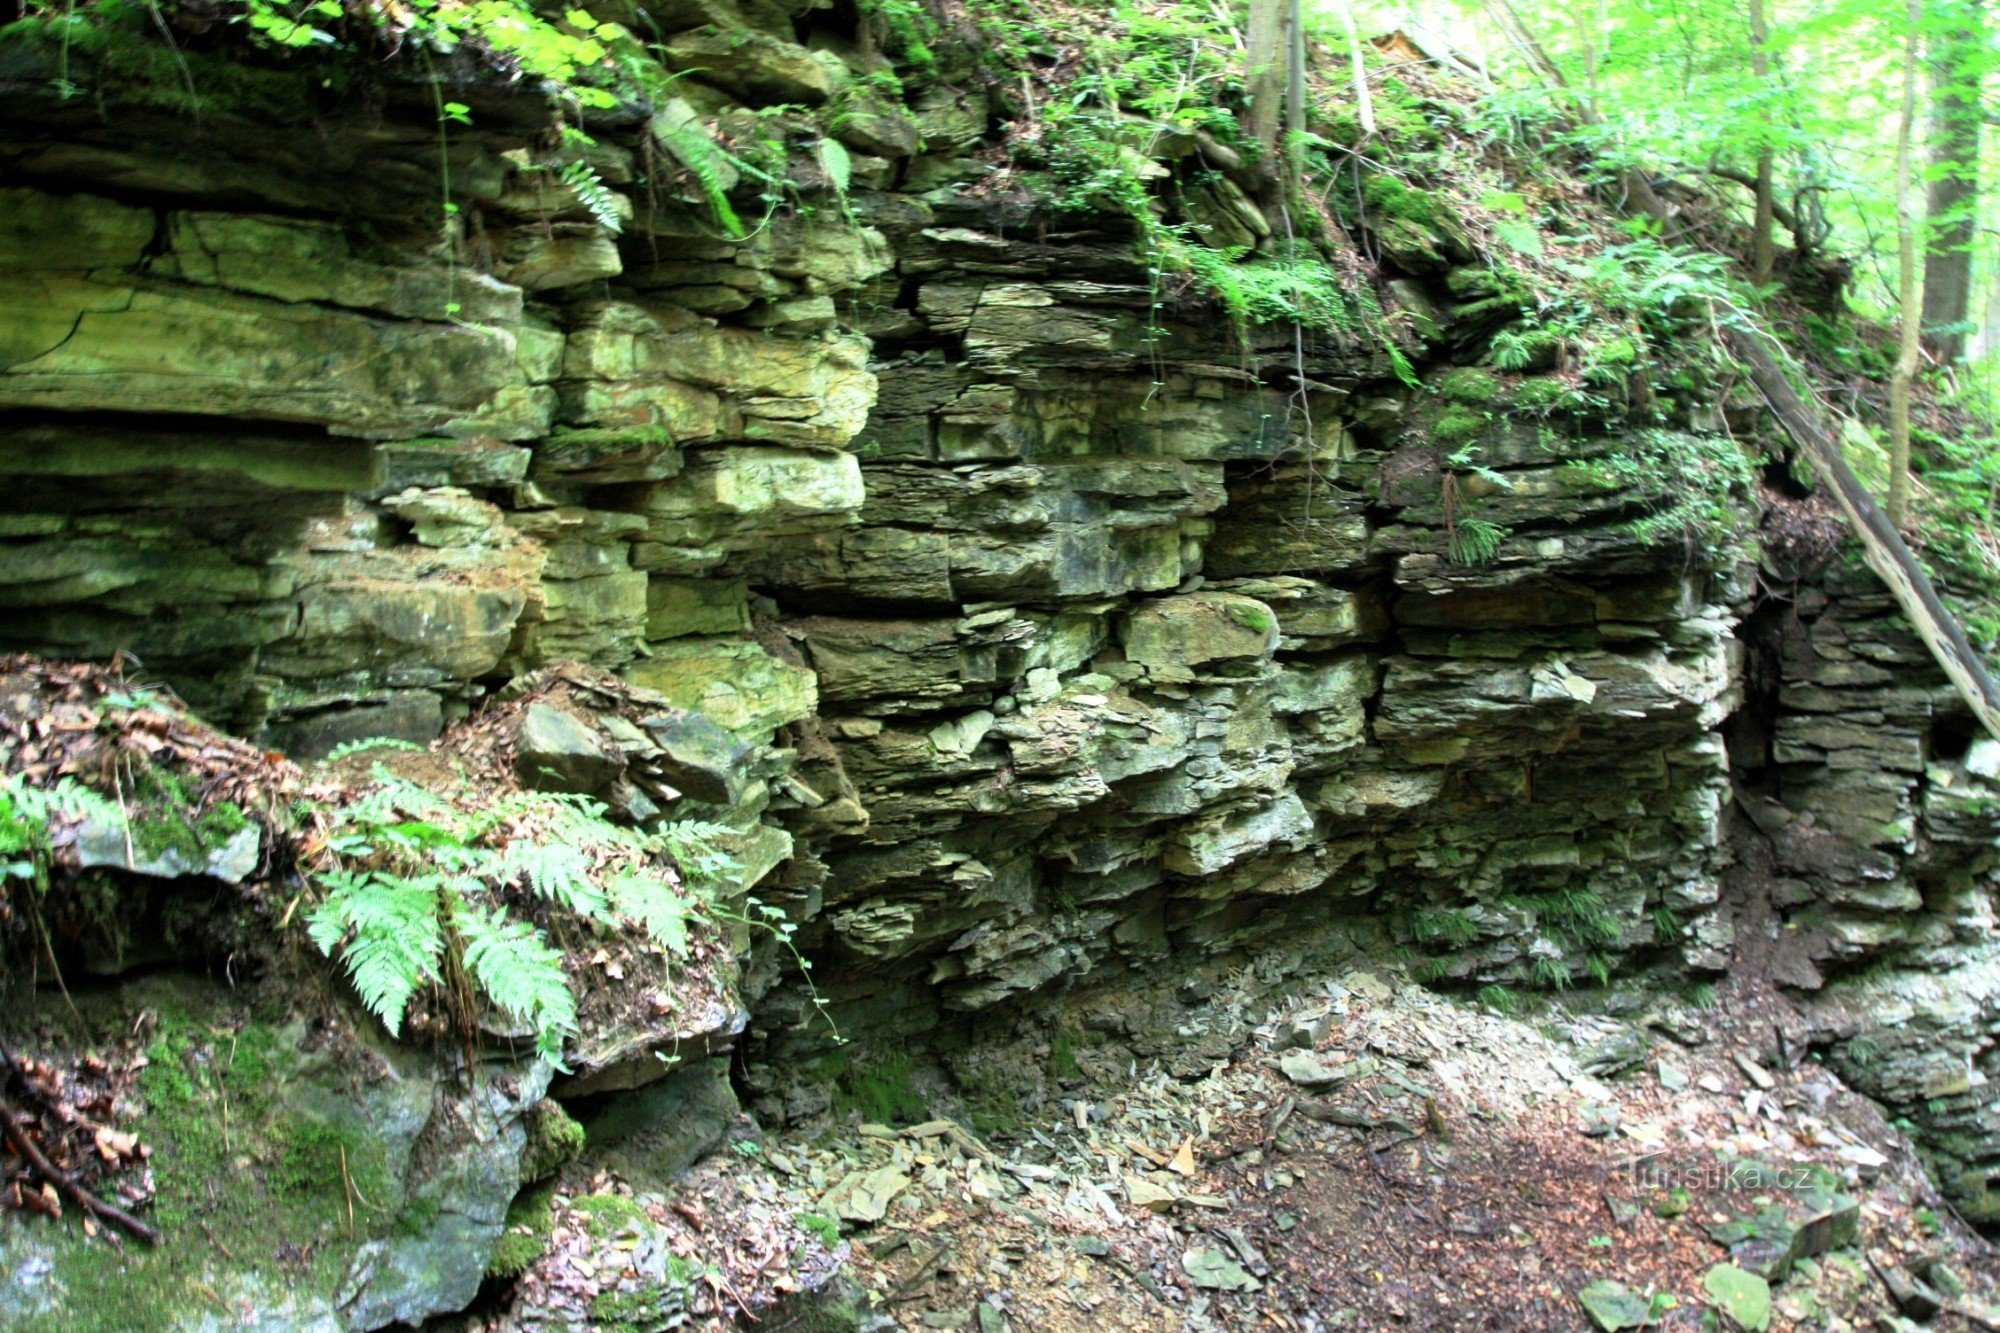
(1953, 203)
(1909, 284)
(1364, 100)
(1763, 249)
(1264, 79)
(1295, 88)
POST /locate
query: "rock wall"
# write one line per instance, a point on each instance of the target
(1083, 629)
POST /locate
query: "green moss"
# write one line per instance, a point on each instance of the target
(1255, 619)
(1470, 385)
(1544, 394)
(652, 1306)
(1062, 1053)
(990, 1092)
(309, 1155)
(884, 1091)
(1457, 426)
(554, 1140)
(818, 1224)
(1394, 197)
(530, 1222)
(164, 817)
(235, 1171)
(606, 1215)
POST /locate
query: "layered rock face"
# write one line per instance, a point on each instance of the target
(1094, 640)
(1877, 812)
(1082, 629)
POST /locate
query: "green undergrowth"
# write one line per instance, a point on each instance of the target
(525, 1238)
(1702, 490)
(166, 816)
(1961, 476)
(113, 48)
(424, 886)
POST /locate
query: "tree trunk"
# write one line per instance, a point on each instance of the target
(1295, 88)
(1763, 250)
(1264, 80)
(1364, 100)
(1909, 285)
(1953, 203)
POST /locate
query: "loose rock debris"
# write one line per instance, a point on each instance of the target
(1417, 1162)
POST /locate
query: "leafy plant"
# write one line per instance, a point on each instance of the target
(591, 191)
(348, 749)
(714, 170)
(419, 889)
(1474, 541)
(1453, 927)
(26, 813)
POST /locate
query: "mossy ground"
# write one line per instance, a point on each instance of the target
(242, 1182)
(607, 1214)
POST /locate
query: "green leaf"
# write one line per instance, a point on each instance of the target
(520, 973)
(557, 871)
(1520, 236)
(385, 929)
(593, 194)
(837, 163)
(656, 905)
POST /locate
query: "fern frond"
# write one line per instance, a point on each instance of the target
(692, 846)
(710, 166)
(837, 163)
(1474, 541)
(655, 904)
(385, 929)
(591, 191)
(557, 871)
(348, 749)
(66, 798)
(520, 973)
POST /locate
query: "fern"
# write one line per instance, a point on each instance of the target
(591, 191)
(348, 749)
(837, 163)
(655, 905)
(708, 164)
(404, 859)
(558, 871)
(520, 973)
(1474, 541)
(387, 932)
(694, 848)
(25, 815)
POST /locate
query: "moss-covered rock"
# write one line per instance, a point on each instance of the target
(554, 1140)
(310, 1183)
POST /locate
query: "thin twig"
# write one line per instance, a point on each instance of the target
(65, 1182)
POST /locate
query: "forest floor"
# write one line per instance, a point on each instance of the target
(1384, 1157)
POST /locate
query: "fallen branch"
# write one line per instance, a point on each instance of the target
(1886, 552)
(64, 1181)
